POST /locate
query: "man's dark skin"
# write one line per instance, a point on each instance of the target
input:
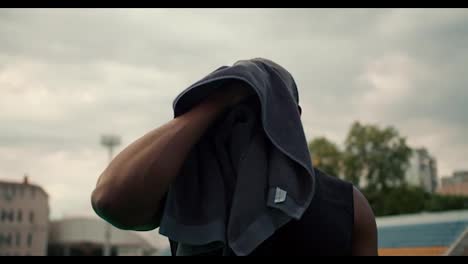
(129, 192)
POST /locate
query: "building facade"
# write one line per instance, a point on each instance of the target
(455, 185)
(422, 171)
(24, 219)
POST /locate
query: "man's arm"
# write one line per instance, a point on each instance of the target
(365, 228)
(130, 191)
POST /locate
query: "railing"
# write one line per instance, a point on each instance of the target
(459, 246)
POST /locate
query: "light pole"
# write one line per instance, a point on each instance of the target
(110, 142)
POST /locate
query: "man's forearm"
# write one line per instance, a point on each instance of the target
(129, 191)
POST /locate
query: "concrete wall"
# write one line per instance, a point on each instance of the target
(88, 234)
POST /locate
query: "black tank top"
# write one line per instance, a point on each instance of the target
(326, 228)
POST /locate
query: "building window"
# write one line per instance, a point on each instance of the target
(8, 193)
(19, 217)
(12, 191)
(30, 238)
(5, 240)
(21, 192)
(18, 239)
(7, 215)
(31, 217)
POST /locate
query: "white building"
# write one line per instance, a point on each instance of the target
(24, 219)
(81, 236)
(422, 170)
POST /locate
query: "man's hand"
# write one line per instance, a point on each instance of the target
(232, 94)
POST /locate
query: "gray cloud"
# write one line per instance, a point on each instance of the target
(66, 76)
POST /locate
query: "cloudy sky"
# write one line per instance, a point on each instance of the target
(66, 76)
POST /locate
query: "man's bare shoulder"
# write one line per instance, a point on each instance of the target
(365, 228)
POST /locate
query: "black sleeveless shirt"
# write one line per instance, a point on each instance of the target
(325, 229)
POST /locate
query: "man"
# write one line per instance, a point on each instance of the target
(231, 175)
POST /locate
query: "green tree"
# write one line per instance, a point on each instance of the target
(408, 200)
(397, 200)
(443, 203)
(374, 157)
(326, 156)
(379, 157)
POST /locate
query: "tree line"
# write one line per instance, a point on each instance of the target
(375, 160)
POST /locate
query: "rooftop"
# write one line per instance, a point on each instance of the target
(25, 182)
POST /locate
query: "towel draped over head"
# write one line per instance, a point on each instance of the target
(250, 173)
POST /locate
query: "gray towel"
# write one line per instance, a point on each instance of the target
(250, 173)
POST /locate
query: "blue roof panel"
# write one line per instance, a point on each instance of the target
(422, 235)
